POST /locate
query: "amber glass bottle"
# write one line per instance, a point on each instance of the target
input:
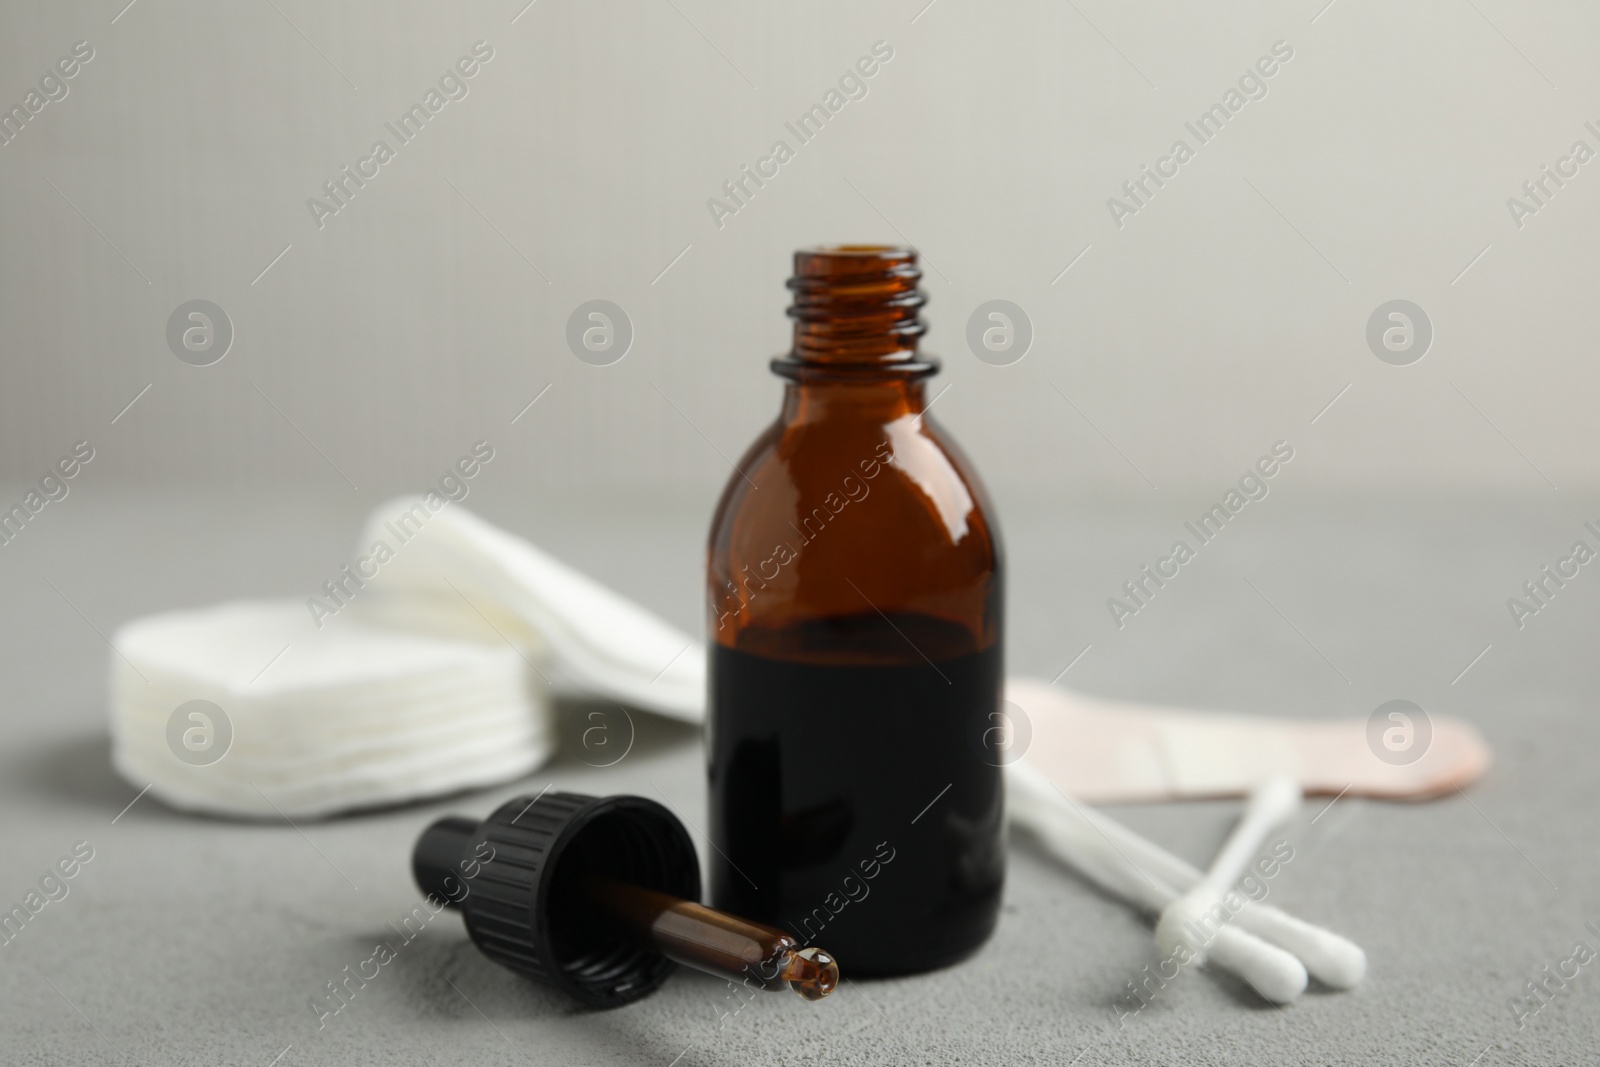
(855, 622)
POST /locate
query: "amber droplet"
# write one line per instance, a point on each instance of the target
(811, 972)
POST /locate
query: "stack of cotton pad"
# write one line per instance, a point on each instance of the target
(303, 721)
(427, 667)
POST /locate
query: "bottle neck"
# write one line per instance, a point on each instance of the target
(863, 397)
(855, 316)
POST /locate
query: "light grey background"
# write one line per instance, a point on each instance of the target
(1222, 317)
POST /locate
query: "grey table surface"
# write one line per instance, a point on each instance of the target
(200, 941)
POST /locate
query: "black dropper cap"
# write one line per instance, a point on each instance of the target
(520, 880)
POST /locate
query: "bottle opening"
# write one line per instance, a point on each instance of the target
(856, 309)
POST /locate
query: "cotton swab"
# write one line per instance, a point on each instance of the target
(1062, 826)
(1187, 920)
(1333, 960)
(1270, 970)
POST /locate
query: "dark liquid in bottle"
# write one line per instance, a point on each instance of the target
(856, 796)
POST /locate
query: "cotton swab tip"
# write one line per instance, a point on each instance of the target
(1269, 970)
(1276, 799)
(1334, 961)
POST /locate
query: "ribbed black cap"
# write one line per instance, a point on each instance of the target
(518, 879)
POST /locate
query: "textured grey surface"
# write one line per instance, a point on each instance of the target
(195, 941)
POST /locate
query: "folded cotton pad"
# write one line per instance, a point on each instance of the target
(250, 709)
(446, 571)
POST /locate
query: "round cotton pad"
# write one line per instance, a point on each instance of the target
(251, 709)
